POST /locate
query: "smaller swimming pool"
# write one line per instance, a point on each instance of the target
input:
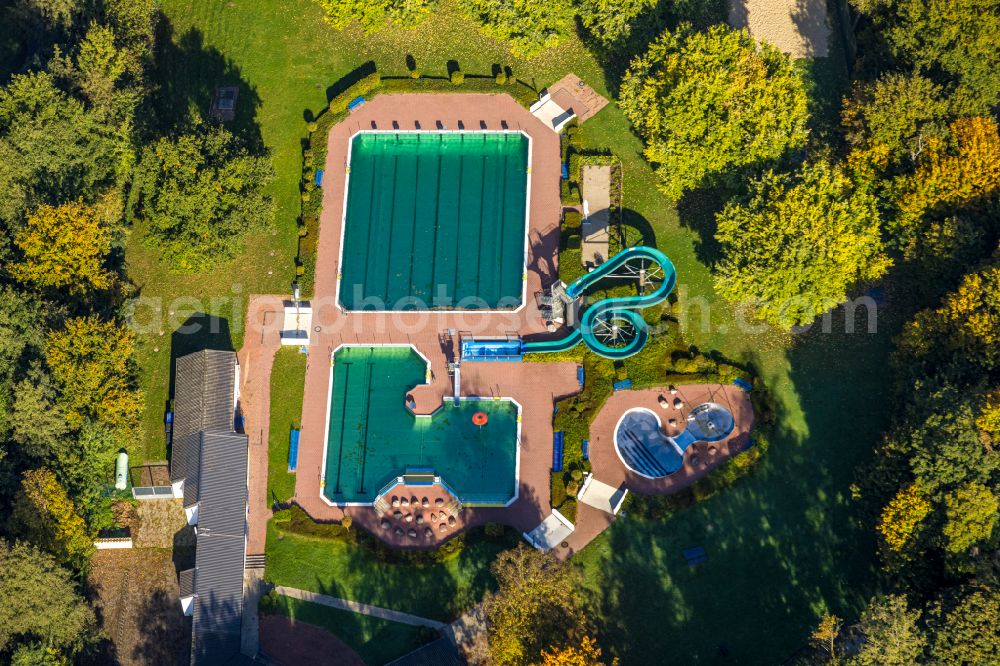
(645, 448)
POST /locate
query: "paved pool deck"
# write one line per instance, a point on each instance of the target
(535, 386)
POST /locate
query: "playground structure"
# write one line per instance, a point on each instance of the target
(612, 327)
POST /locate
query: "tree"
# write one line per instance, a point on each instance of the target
(611, 21)
(53, 149)
(971, 512)
(798, 244)
(902, 516)
(963, 333)
(964, 628)
(200, 194)
(45, 515)
(38, 599)
(37, 421)
(825, 636)
(891, 634)
(37, 654)
(90, 361)
(21, 329)
(900, 112)
(709, 102)
(537, 605)
(64, 247)
(954, 42)
(372, 15)
(109, 74)
(529, 26)
(988, 421)
(586, 654)
(964, 175)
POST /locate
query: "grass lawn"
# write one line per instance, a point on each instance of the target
(350, 571)
(783, 544)
(287, 380)
(376, 641)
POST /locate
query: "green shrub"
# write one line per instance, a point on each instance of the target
(300, 270)
(312, 127)
(568, 510)
(558, 489)
(572, 219)
(576, 475)
(307, 155)
(572, 488)
(306, 197)
(346, 522)
(501, 78)
(364, 86)
(494, 530)
(414, 73)
(569, 194)
(575, 165)
(457, 78)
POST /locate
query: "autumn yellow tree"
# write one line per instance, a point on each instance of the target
(824, 638)
(537, 606)
(91, 363)
(45, 514)
(964, 172)
(585, 654)
(988, 421)
(968, 322)
(64, 247)
(902, 516)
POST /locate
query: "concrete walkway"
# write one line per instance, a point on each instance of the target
(356, 607)
(596, 192)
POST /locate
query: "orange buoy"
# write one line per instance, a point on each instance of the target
(480, 419)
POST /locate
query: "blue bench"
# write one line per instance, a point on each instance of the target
(585, 444)
(355, 103)
(622, 385)
(293, 449)
(695, 556)
(743, 384)
(580, 375)
(319, 178)
(565, 171)
(558, 441)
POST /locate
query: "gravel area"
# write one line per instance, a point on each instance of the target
(797, 27)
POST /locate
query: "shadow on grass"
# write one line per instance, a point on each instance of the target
(187, 73)
(784, 543)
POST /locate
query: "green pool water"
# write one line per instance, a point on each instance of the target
(435, 220)
(373, 438)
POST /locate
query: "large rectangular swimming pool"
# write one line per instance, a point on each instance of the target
(435, 220)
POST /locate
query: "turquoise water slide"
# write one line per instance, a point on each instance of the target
(613, 327)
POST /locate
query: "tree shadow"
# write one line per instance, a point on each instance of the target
(165, 632)
(349, 79)
(636, 229)
(696, 210)
(187, 73)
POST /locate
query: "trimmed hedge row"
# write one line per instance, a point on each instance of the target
(362, 87)
(295, 520)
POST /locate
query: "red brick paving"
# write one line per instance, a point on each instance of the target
(264, 317)
(534, 386)
(608, 467)
(287, 642)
